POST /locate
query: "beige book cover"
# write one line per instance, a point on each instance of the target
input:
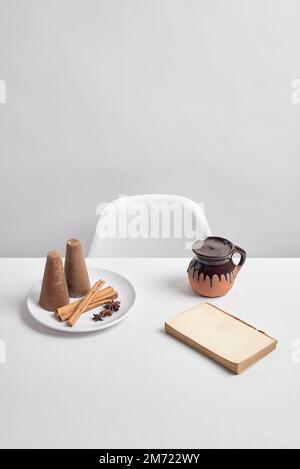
(221, 336)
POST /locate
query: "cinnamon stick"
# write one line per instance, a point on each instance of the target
(107, 299)
(70, 308)
(85, 302)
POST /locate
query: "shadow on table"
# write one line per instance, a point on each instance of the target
(29, 321)
(180, 284)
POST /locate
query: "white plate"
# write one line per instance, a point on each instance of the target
(85, 324)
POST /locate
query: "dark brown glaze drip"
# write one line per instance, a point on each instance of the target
(226, 269)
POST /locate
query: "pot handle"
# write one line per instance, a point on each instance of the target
(243, 255)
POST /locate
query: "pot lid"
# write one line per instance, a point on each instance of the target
(213, 247)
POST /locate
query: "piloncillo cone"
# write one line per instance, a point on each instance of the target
(54, 291)
(75, 269)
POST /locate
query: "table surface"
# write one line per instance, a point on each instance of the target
(132, 385)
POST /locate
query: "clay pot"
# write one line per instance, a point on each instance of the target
(212, 271)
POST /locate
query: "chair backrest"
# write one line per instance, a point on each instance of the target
(150, 225)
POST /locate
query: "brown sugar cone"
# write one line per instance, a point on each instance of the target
(54, 291)
(75, 270)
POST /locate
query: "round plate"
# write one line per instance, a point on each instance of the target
(85, 324)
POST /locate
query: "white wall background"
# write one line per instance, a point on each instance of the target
(109, 97)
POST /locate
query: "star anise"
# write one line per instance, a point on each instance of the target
(108, 310)
(98, 317)
(114, 306)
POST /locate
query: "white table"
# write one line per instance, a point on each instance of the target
(133, 386)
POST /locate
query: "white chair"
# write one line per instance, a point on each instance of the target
(150, 225)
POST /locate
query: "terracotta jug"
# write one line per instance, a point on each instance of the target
(212, 271)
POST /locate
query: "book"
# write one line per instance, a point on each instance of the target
(221, 336)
